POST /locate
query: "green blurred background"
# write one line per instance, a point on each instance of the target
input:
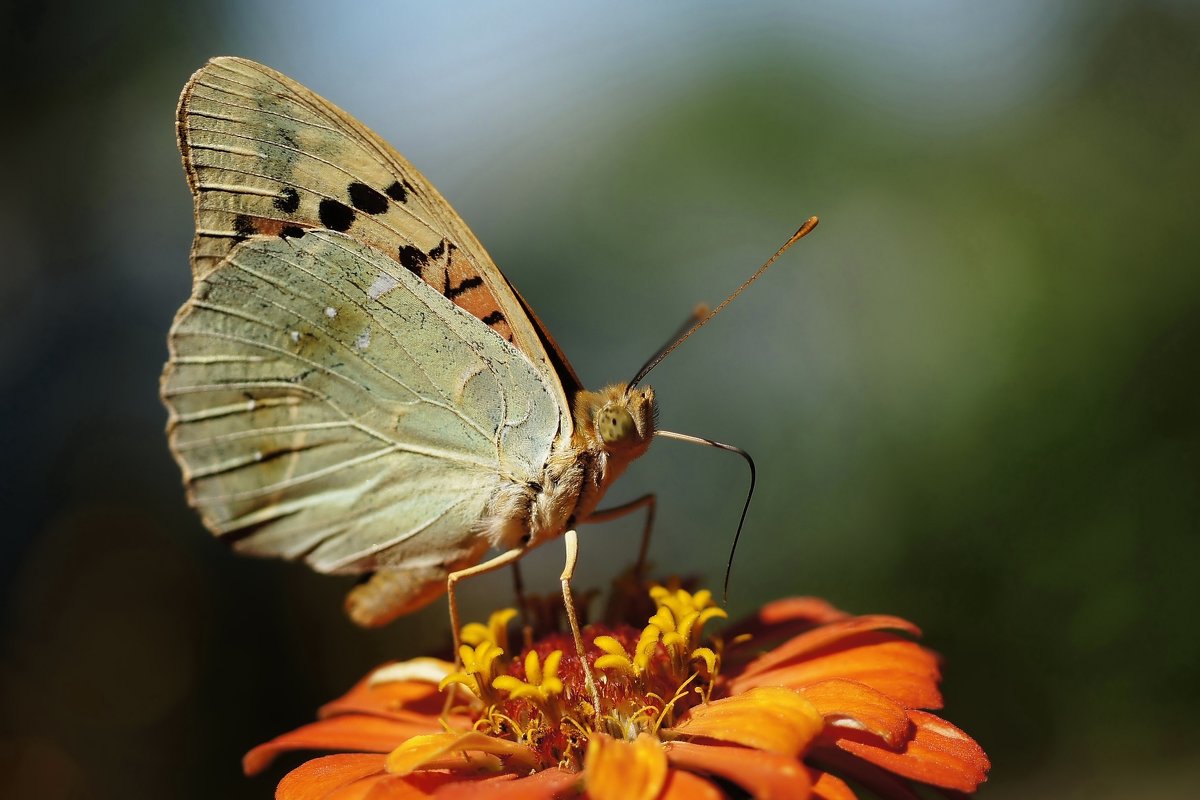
(972, 393)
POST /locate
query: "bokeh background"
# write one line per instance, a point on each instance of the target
(972, 393)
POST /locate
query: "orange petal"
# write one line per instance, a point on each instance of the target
(686, 786)
(419, 786)
(618, 770)
(317, 779)
(939, 754)
(387, 699)
(429, 750)
(354, 732)
(879, 782)
(851, 704)
(902, 670)
(808, 644)
(809, 609)
(766, 776)
(336, 777)
(544, 785)
(767, 718)
(788, 616)
(831, 787)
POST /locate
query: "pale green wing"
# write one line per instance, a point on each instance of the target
(326, 404)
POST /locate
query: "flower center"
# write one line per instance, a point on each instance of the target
(645, 679)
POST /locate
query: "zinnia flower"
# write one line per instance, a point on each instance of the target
(788, 704)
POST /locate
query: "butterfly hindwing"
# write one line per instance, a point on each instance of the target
(266, 157)
(328, 405)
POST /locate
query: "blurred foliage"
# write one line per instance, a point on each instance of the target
(971, 393)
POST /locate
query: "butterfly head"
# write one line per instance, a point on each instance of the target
(617, 419)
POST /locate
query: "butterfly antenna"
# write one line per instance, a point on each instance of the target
(698, 313)
(702, 321)
(683, 437)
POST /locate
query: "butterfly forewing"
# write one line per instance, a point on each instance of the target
(327, 404)
(267, 157)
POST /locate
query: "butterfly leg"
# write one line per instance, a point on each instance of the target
(502, 560)
(571, 540)
(519, 593)
(647, 501)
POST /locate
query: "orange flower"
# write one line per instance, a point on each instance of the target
(784, 705)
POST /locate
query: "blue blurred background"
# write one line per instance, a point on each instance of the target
(972, 393)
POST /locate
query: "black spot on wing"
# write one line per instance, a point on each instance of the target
(243, 226)
(398, 191)
(288, 200)
(291, 232)
(492, 318)
(466, 285)
(412, 259)
(335, 216)
(367, 199)
(438, 249)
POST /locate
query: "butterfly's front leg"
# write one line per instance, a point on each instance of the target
(491, 565)
(646, 501)
(505, 558)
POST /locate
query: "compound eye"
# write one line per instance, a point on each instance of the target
(615, 425)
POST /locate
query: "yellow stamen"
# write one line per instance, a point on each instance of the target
(615, 657)
(646, 646)
(708, 657)
(543, 681)
(478, 669)
(496, 630)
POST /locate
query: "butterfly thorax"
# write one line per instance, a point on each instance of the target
(612, 427)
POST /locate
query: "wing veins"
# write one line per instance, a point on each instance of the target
(395, 338)
(403, 537)
(395, 447)
(388, 168)
(274, 430)
(253, 109)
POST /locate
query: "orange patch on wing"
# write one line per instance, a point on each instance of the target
(477, 300)
(275, 227)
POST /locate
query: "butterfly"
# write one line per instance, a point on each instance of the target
(353, 383)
